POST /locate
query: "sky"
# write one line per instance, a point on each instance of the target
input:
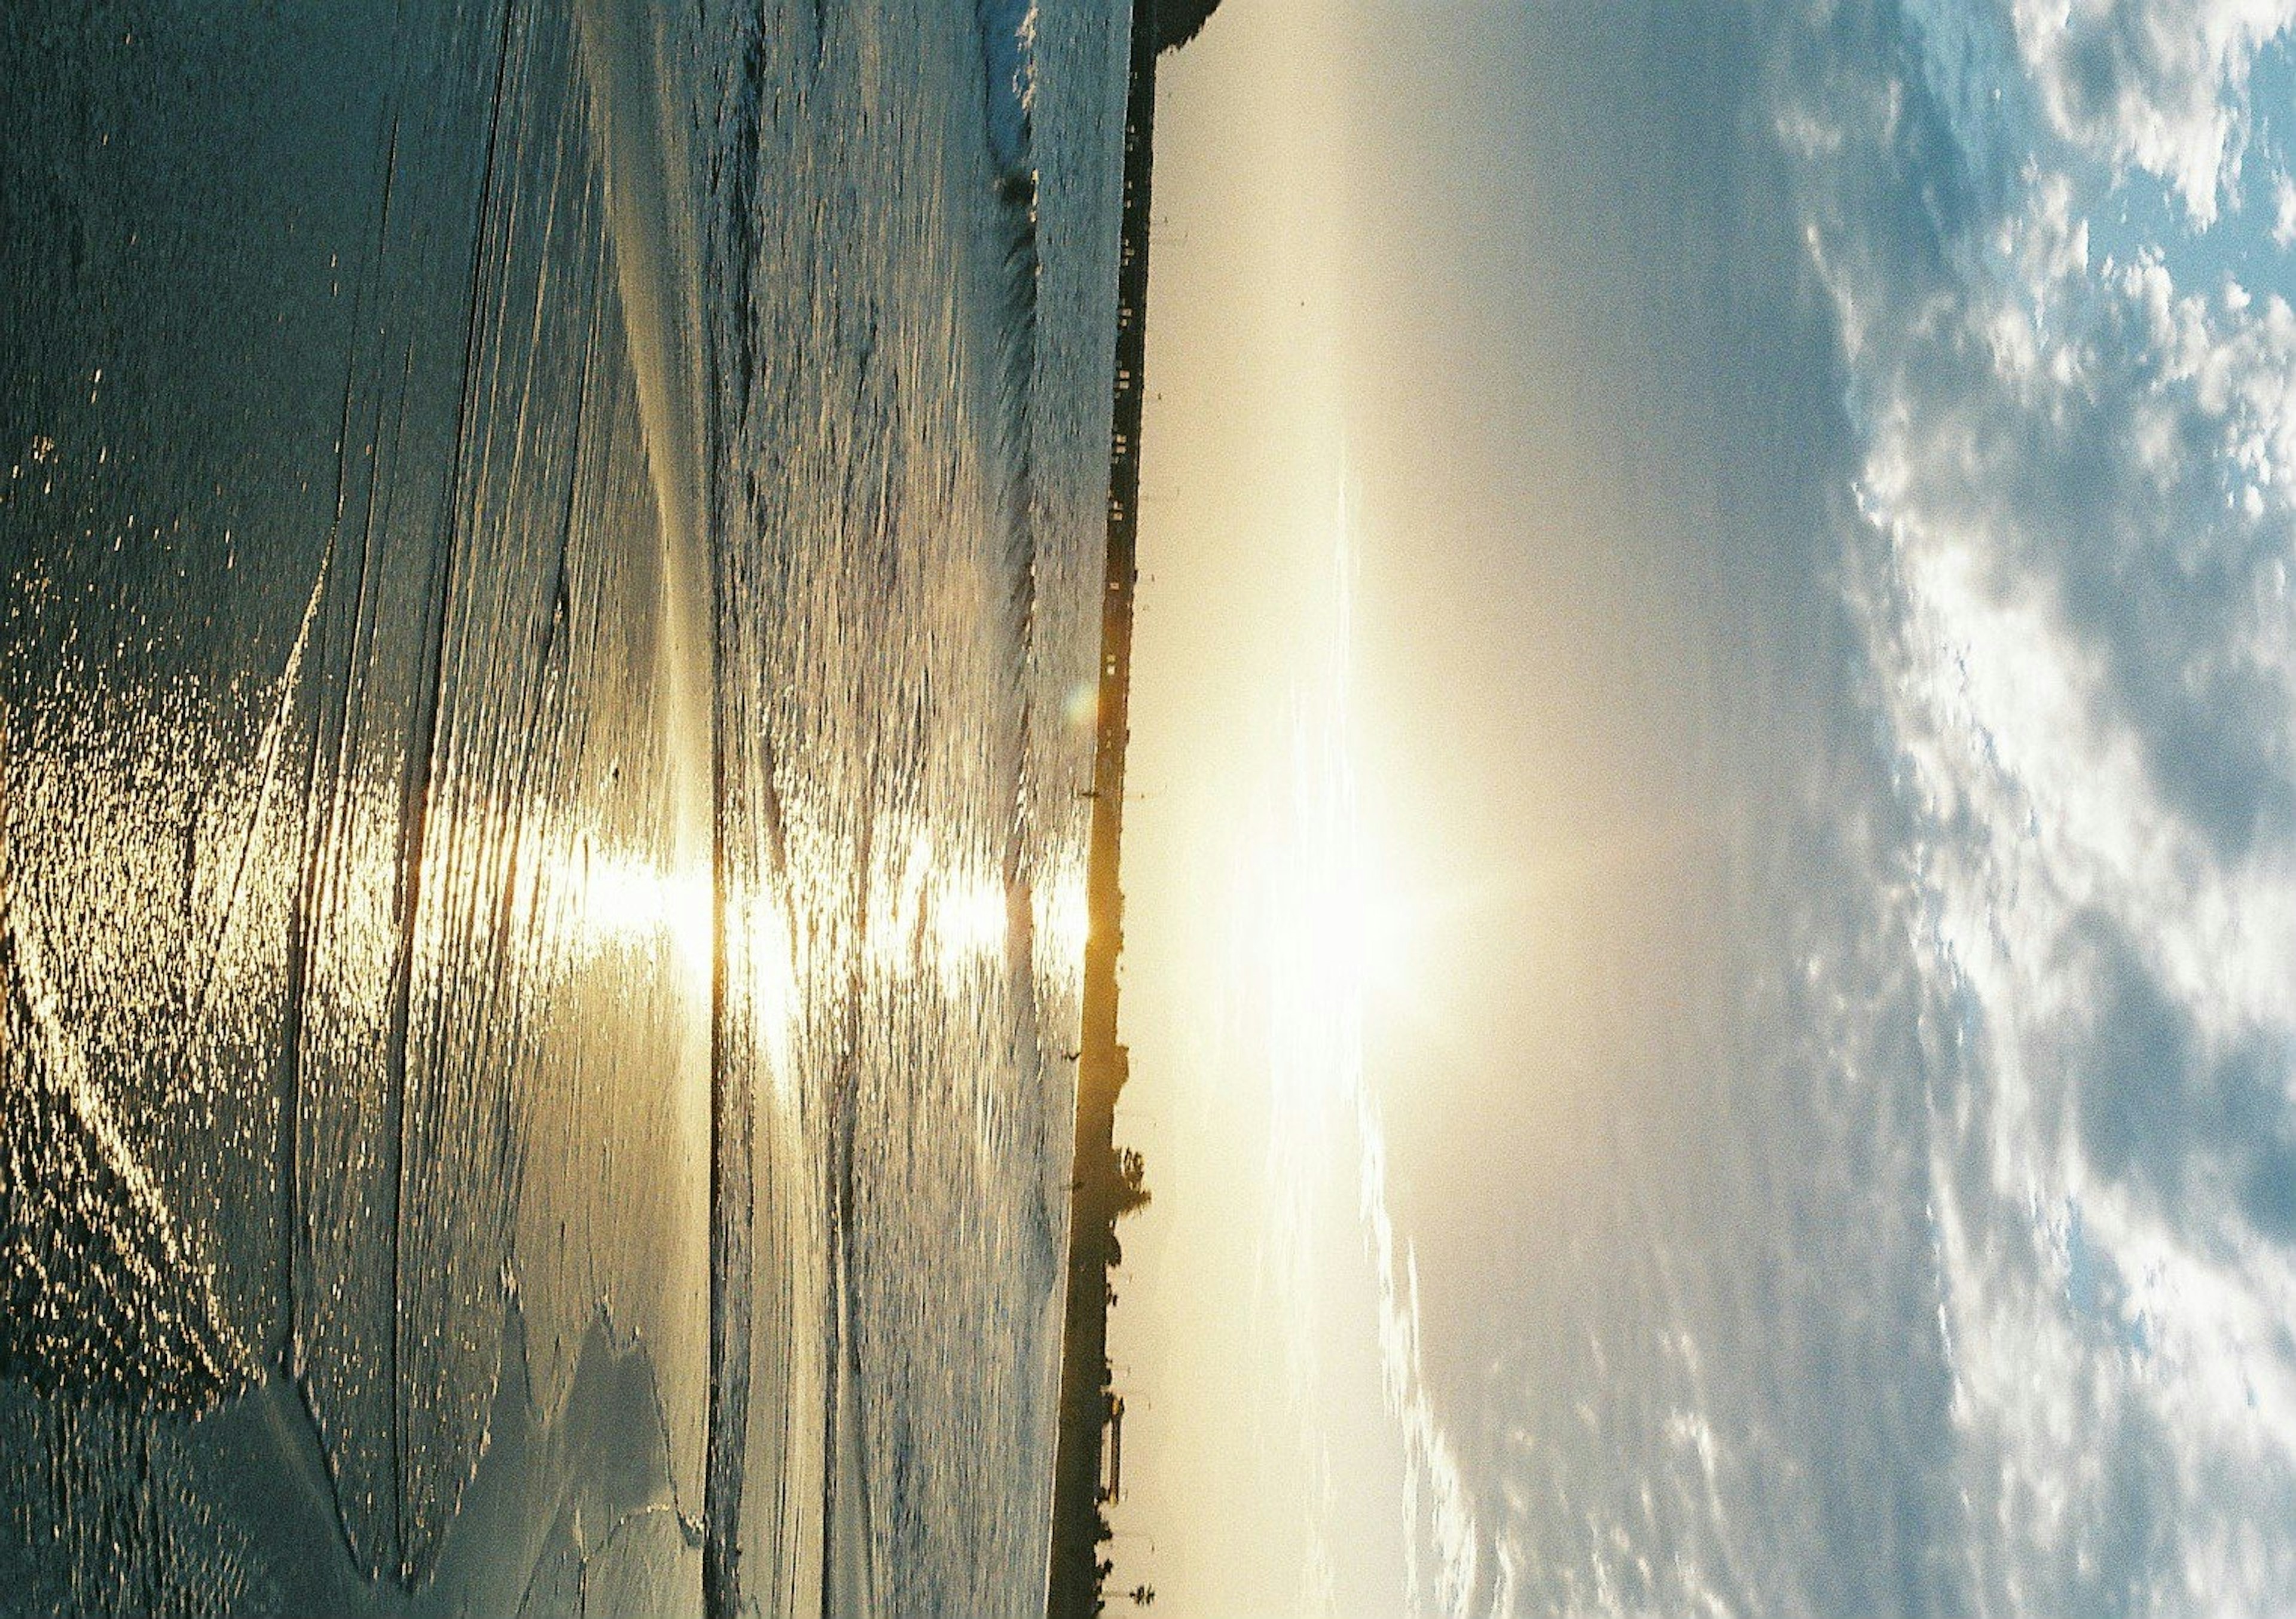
(1712, 847)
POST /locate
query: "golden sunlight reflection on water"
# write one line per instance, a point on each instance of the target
(953, 912)
(622, 899)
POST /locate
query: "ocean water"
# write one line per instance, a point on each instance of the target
(551, 556)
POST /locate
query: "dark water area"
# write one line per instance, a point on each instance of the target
(551, 561)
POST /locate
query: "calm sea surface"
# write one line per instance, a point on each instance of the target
(552, 551)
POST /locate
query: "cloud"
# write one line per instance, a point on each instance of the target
(2074, 525)
(2157, 1111)
(1444, 1546)
(2156, 85)
(1945, 1258)
(2121, 448)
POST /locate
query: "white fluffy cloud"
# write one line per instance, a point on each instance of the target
(2077, 510)
(1937, 1258)
(2157, 85)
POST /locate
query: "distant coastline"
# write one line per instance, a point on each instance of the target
(1104, 1183)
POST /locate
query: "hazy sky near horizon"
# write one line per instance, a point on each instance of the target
(1713, 863)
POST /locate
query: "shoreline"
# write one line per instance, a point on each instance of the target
(1097, 1190)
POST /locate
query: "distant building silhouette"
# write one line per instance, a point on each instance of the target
(1112, 1483)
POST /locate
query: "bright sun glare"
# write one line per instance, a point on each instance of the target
(1319, 932)
(1325, 934)
(1327, 919)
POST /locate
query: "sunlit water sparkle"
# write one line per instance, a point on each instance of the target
(549, 552)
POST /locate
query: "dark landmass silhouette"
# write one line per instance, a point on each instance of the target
(1177, 21)
(1107, 1183)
